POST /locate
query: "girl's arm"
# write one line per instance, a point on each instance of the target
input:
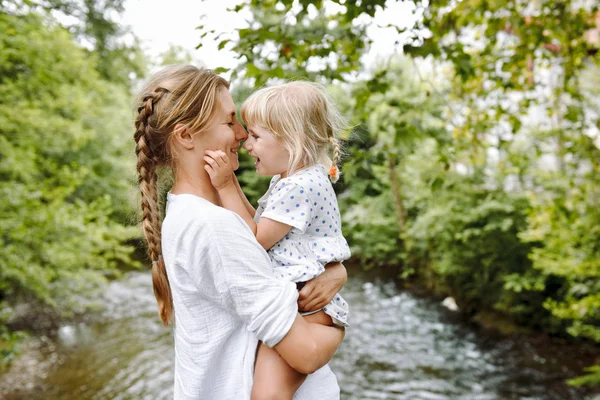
(231, 200)
(223, 179)
(267, 231)
(249, 206)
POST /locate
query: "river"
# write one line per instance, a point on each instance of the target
(400, 346)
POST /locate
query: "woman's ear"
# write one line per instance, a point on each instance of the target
(183, 136)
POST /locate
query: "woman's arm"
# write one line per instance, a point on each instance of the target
(307, 347)
(318, 292)
(266, 305)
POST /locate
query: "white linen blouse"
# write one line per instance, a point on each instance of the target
(225, 299)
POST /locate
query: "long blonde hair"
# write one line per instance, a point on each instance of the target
(303, 118)
(180, 94)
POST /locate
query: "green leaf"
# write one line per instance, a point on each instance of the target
(222, 44)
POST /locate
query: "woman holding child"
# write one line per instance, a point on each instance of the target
(211, 276)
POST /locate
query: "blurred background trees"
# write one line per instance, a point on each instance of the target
(65, 160)
(474, 163)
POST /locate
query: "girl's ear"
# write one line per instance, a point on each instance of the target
(183, 136)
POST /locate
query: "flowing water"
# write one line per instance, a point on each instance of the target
(399, 347)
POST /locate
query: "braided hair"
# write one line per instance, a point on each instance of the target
(148, 180)
(180, 94)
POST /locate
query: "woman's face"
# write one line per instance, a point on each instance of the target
(225, 132)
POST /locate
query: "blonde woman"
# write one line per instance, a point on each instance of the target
(293, 134)
(211, 278)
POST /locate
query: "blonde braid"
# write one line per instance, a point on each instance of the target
(151, 222)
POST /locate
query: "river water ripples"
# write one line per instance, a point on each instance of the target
(399, 346)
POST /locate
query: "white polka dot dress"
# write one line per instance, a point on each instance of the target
(307, 202)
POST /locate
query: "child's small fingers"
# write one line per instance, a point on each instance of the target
(304, 296)
(210, 161)
(217, 155)
(214, 157)
(315, 304)
(220, 160)
(222, 156)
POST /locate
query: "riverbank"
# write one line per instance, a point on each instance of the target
(494, 325)
(36, 357)
(36, 353)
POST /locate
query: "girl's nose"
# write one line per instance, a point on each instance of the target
(247, 146)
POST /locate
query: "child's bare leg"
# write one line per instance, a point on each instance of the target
(274, 379)
(319, 318)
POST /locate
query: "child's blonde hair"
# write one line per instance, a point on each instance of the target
(303, 118)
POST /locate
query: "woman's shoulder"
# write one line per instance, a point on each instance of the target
(190, 210)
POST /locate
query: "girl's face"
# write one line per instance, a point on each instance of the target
(271, 157)
(225, 132)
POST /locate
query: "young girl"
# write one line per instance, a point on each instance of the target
(293, 131)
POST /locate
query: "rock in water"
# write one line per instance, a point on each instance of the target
(450, 304)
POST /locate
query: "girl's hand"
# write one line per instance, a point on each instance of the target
(318, 292)
(218, 168)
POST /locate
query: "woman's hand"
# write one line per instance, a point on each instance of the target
(318, 292)
(218, 168)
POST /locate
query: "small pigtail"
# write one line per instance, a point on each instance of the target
(334, 171)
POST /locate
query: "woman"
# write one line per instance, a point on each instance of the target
(209, 273)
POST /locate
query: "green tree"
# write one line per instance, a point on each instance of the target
(513, 60)
(298, 40)
(491, 179)
(114, 50)
(64, 174)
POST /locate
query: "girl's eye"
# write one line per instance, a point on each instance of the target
(230, 124)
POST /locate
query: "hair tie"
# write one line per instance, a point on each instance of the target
(333, 171)
(155, 262)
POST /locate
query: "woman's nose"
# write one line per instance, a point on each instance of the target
(240, 132)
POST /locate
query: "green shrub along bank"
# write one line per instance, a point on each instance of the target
(493, 251)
